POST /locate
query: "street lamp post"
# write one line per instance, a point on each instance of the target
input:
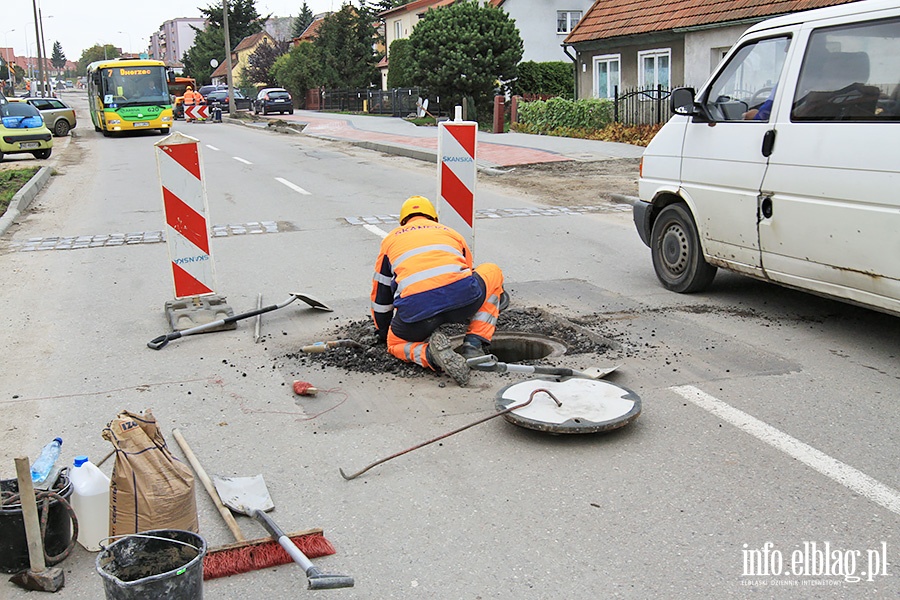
(130, 46)
(37, 36)
(9, 71)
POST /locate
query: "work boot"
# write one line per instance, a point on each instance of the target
(471, 347)
(441, 353)
(504, 301)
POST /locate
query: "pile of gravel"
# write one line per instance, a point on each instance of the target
(374, 358)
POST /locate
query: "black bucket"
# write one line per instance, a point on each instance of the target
(14, 544)
(163, 563)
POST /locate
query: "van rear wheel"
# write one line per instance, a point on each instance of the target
(677, 254)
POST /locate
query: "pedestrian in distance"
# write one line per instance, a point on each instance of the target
(424, 277)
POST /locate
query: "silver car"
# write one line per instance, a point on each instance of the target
(58, 116)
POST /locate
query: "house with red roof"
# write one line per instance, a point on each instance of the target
(670, 43)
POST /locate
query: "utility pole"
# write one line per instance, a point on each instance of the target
(37, 34)
(44, 41)
(231, 109)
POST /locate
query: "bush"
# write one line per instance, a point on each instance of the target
(555, 78)
(555, 113)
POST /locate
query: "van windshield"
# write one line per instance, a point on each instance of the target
(748, 81)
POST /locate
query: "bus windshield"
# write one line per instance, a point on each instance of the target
(133, 86)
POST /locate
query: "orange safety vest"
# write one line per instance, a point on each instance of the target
(424, 268)
(189, 98)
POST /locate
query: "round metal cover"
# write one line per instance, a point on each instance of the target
(588, 406)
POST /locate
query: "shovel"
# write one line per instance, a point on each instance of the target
(159, 342)
(250, 496)
(489, 362)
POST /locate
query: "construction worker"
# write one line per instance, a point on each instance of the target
(423, 279)
(189, 100)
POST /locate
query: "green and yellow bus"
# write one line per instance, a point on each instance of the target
(129, 95)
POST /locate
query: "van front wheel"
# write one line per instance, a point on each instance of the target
(677, 255)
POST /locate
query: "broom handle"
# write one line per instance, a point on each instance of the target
(210, 489)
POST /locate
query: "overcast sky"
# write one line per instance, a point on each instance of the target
(127, 24)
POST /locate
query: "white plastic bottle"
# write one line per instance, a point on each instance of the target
(90, 500)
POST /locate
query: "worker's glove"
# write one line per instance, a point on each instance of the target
(373, 339)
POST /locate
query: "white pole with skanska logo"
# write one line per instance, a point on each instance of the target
(456, 172)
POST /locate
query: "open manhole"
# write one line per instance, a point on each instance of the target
(521, 346)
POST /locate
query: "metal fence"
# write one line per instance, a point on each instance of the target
(399, 102)
(642, 106)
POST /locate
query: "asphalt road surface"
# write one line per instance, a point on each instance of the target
(769, 416)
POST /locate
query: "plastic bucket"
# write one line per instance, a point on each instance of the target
(14, 544)
(163, 563)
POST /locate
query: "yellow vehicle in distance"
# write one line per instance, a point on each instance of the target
(129, 95)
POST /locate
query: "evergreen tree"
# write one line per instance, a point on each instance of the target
(303, 20)
(58, 58)
(463, 50)
(401, 65)
(209, 43)
(345, 41)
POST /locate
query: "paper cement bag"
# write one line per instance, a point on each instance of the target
(149, 487)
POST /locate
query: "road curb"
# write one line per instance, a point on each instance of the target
(22, 199)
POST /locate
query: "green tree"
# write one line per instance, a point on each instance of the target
(209, 43)
(58, 58)
(464, 50)
(345, 41)
(303, 20)
(299, 70)
(401, 65)
(95, 53)
(259, 69)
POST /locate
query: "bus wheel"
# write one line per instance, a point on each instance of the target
(677, 254)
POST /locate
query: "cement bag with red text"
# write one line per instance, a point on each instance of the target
(149, 487)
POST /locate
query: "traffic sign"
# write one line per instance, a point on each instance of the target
(456, 177)
(185, 207)
(196, 111)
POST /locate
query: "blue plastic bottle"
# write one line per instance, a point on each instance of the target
(44, 464)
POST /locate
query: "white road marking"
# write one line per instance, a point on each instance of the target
(376, 230)
(830, 467)
(239, 159)
(211, 147)
(293, 186)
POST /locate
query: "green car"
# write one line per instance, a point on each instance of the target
(22, 130)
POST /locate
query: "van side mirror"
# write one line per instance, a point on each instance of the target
(682, 101)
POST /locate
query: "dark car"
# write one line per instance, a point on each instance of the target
(277, 100)
(206, 89)
(219, 99)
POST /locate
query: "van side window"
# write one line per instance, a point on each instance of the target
(747, 84)
(850, 73)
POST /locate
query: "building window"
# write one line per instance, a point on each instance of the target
(654, 68)
(398, 29)
(566, 20)
(607, 75)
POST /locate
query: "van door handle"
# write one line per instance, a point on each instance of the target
(768, 143)
(765, 207)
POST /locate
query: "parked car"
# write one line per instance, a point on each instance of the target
(58, 116)
(206, 89)
(219, 98)
(273, 100)
(22, 130)
(782, 165)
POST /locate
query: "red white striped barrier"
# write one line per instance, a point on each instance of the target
(456, 177)
(185, 206)
(196, 111)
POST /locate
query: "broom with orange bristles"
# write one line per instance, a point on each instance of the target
(244, 556)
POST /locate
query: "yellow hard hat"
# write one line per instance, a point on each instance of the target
(417, 205)
(190, 88)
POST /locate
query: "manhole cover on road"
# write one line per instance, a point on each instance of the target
(580, 405)
(532, 330)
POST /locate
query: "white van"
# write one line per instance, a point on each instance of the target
(786, 164)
